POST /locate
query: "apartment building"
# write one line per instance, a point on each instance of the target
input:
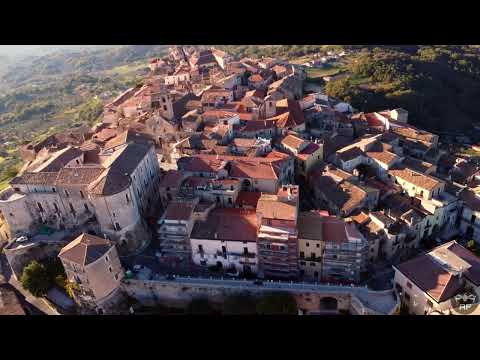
(430, 282)
(277, 233)
(330, 249)
(226, 239)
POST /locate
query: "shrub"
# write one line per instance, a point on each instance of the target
(277, 304)
(35, 278)
(239, 305)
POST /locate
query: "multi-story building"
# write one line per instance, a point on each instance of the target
(430, 282)
(277, 233)
(93, 265)
(227, 239)
(175, 227)
(330, 249)
(115, 187)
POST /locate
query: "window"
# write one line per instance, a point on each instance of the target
(472, 220)
(409, 285)
(313, 264)
(110, 268)
(107, 259)
(200, 248)
(164, 107)
(307, 244)
(16, 189)
(66, 193)
(116, 276)
(113, 214)
(128, 199)
(303, 263)
(57, 210)
(86, 208)
(117, 227)
(245, 251)
(72, 210)
(54, 190)
(40, 207)
(318, 245)
(81, 194)
(78, 162)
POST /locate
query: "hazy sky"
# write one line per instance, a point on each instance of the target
(14, 50)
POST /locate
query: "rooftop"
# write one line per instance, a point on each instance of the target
(229, 224)
(85, 249)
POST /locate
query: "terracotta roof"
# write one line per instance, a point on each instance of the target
(241, 142)
(255, 93)
(255, 78)
(414, 177)
(293, 142)
(172, 178)
(471, 200)
(252, 169)
(105, 134)
(59, 159)
(179, 210)
(78, 175)
(39, 178)
(346, 196)
(274, 154)
(385, 157)
(85, 249)
(256, 125)
(350, 154)
(432, 272)
(271, 207)
(308, 151)
(128, 136)
(248, 198)
(229, 224)
(120, 165)
(412, 133)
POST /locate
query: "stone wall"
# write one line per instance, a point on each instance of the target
(176, 294)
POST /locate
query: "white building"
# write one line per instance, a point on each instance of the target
(430, 282)
(228, 239)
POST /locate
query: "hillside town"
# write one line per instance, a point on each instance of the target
(216, 176)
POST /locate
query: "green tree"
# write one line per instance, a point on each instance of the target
(239, 305)
(341, 88)
(35, 278)
(277, 304)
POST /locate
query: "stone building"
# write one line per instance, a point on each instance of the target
(93, 265)
(116, 188)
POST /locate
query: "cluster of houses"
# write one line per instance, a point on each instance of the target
(243, 171)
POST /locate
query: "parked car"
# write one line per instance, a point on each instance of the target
(22, 239)
(258, 282)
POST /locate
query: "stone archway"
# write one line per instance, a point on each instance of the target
(246, 184)
(328, 303)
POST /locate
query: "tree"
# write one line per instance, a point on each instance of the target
(341, 88)
(35, 278)
(277, 304)
(239, 305)
(200, 307)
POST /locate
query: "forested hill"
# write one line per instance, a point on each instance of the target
(76, 61)
(438, 84)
